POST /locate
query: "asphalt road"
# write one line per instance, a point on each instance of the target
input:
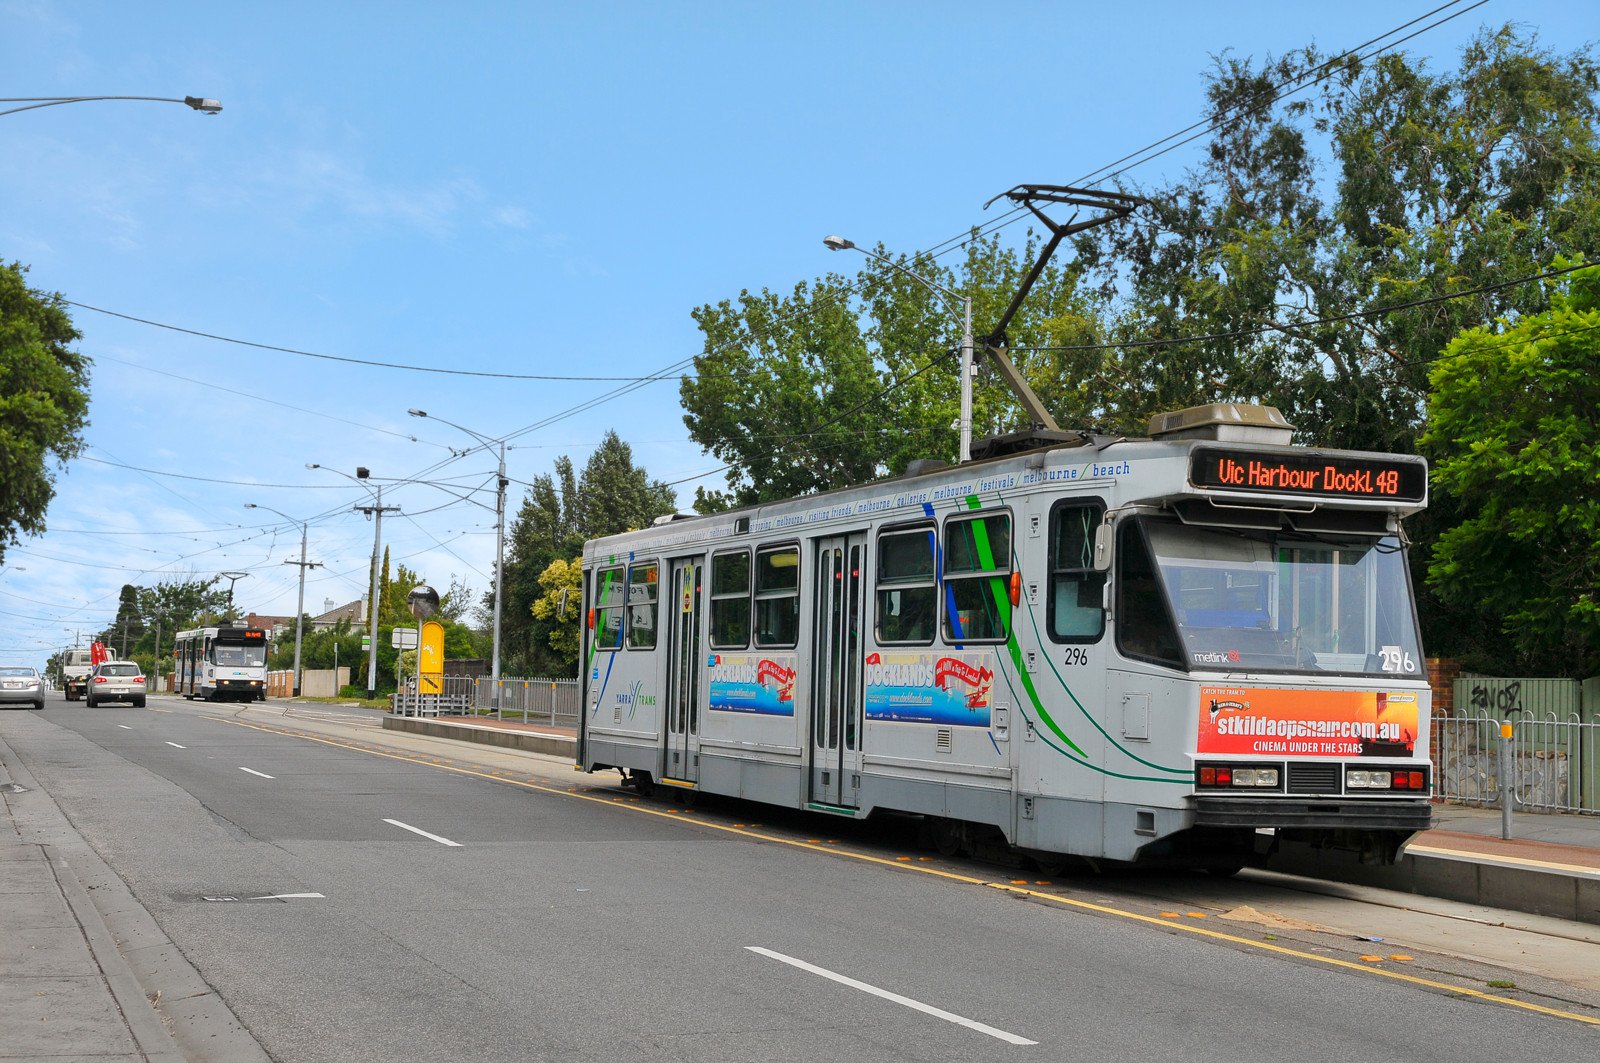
(355, 901)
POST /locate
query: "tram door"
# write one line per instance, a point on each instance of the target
(836, 663)
(685, 666)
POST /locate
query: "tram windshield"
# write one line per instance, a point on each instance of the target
(1287, 601)
(238, 656)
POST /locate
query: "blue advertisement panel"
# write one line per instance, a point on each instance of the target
(759, 684)
(942, 688)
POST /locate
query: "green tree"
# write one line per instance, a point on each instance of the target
(1440, 182)
(44, 401)
(1515, 445)
(849, 378)
(559, 606)
(558, 513)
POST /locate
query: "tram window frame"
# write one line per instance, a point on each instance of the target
(1132, 544)
(651, 603)
(886, 583)
(1087, 579)
(729, 601)
(985, 578)
(601, 609)
(772, 597)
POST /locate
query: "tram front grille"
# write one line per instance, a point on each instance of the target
(1314, 778)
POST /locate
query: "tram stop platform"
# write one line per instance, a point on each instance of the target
(1550, 865)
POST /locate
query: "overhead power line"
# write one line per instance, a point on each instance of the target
(339, 357)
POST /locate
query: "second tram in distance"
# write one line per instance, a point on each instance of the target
(1138, 650)
(221, 663)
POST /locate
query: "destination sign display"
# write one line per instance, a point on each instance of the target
(1395, 479)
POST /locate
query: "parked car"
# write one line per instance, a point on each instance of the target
(115, 681)
(19, 683)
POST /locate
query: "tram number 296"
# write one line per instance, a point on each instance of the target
(1076, 655)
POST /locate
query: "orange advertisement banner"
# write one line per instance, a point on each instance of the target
(1308, 723)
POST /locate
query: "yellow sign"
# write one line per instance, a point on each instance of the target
(432, 662)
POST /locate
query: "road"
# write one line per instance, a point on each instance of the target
(356, 894)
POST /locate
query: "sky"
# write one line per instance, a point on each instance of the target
(527, 189)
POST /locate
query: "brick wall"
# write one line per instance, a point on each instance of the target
(1442, 674)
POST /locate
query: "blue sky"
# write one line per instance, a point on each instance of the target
(507, 188)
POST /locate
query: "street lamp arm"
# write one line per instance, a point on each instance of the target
(480, 437)
(839, 243)
(33, 103)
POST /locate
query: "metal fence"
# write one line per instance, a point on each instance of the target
(1554, 762)
(557, 702)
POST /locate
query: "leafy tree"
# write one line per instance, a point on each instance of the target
(558, 513)
(1440, 182)
(44, 401)
(1515, 446)
(850, 378)
(559, 606)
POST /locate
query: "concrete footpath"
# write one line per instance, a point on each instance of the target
(1551, 865)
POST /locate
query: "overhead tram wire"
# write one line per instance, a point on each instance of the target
(1292, 326)
(1242, 110)
(1092, 177)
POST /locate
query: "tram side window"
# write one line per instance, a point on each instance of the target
(778, 597)
(1077, 591)
(643, 585)
(608, 602)
(907, 591)
(977, 569)
(730, 600)
(1144, 625)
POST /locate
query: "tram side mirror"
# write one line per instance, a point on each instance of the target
(1102, 548)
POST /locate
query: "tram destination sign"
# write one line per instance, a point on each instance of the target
(1395, 479)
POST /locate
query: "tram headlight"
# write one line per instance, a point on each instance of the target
(1365, 779)
(1255, 776)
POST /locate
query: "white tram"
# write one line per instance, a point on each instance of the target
(1125, 649)
(221, 663)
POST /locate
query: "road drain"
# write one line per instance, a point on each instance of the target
(244, 897)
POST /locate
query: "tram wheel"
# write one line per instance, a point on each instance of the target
(1053, 866)
(949, 836)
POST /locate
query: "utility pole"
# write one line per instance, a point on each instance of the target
(300, 604)
(376, 510)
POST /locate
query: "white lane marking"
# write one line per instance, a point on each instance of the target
(263, 774)
(425, 834)
(927, 1009)
(175, 745)
(124, 726)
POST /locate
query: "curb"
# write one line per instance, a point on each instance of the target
(556, 745)
(1472, 878)
(169, 1009)
(149, 1032)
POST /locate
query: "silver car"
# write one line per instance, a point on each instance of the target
(19, 684)
(115, 681)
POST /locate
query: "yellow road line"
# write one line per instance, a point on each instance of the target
(969, 880)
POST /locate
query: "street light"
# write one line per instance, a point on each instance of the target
(204, 106)
(839, 243)
(300, 606)
(499, 540)
(232, 578)
(377, 510)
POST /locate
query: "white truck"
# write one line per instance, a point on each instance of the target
(77, 665)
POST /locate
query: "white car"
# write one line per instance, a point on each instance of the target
(21, 684)
(115, 681)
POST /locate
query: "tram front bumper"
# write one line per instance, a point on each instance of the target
(1408, 815)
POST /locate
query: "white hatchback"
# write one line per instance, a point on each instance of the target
(115, 681)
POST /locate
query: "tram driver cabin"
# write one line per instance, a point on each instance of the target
(1148, 650)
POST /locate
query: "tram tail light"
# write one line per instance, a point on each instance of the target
(1237, 776)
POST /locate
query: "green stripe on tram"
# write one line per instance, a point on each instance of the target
(1002, 601)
